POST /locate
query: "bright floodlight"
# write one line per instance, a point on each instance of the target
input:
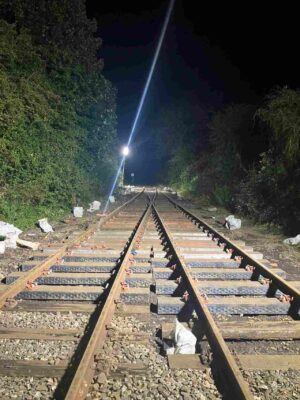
(125, 151)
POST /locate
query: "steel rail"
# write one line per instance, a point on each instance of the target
(84, 373)
(214, 336)
(276, 280)
(16, 287)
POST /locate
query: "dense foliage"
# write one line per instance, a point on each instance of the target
(57, 111)
(270, 191)
(251, 163)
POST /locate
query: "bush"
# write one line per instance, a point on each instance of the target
(269, 194)
(222, 195)
(57, 131)
(271, 190)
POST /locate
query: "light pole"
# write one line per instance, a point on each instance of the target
(125, 152)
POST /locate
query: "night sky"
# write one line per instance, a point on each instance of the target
(212, 55)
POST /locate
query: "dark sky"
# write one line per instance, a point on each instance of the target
(212, 55)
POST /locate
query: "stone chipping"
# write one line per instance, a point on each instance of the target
(44, 350)
(51, 320)
(153, 379)
(27, 388)
(271, 385)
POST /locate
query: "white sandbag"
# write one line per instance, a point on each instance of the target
(185, 340)
(45, 226)
(112, 199)
(2, 247)
(170, 350)
(232, 223)
(11, 234)
(94, 206)
(293, 240)
(78, 212)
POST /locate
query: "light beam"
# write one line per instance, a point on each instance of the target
(145, 91)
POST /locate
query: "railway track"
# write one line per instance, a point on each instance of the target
(130, 274)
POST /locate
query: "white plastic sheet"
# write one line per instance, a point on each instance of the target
(112, 199)
(94, 206)
(233, 223)
(2, 247)
(45, 226)
(78, 212)
(293, 240)
(185, 340)
(11, 233)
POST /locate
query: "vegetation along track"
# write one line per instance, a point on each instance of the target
(120, 283)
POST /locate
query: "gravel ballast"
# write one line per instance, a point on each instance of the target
(27, 388)
(154, 379)
(45, 350)
(271, 385)
(17, 319)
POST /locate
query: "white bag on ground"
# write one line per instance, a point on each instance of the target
(78, 212)
(45, 226)
(293, 241)
(112, 199)
(11, 233)
(232, 222)
(185, 340)
(94, 206)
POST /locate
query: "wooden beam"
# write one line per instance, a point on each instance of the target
(261, 330)
(52, 307)
(185, 361)
(41, 334)
(269, 362)
(34, 368)
(245, 330)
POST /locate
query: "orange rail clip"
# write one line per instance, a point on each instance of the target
(286, 298)
(10, 303)
(204, 296)
(30, 285)
(185, 296)
(124, 285)
(265, 281)
(46, 271)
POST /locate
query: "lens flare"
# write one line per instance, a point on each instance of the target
(125, 151)
(141, 103)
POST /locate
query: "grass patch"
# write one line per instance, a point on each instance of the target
(25, 216)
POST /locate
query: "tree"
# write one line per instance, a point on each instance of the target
(60, 28)
(281, 113)
(57, 110)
